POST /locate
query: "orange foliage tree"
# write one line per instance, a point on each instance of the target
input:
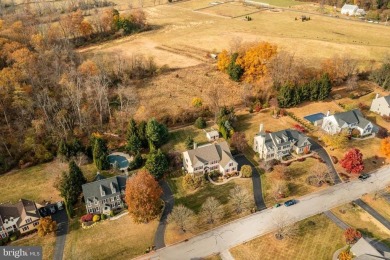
(254, 61)
(143, 196)
(223, 60)
(385, 147)
(352, 235)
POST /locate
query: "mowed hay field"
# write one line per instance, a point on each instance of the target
(318, 238)
(321, 37)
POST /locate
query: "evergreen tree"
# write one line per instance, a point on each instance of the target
(131, 129)
(100, 153)
(285, 96)
(325, 87)
(141, 131)
(134, 144)
(189, 142)
(234, 70)
(63, 150)
(157, 164)
(156, 133)
(314, 90)
(136, 162)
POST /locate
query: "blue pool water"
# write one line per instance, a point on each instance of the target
(121, 161)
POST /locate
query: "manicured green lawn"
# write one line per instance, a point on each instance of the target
(177, 139)
(314, 241)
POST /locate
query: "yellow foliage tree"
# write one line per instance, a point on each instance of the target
(385, 147)
(254, 61)
(345, 255)
(335, 141)
(196, 102)
(223, 60)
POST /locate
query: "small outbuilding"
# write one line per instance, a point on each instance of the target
(315, 119)
(349, 9)
(212, 135)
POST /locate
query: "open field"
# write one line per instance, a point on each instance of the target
(114, 239)
(195, 199)
(322, 36)
(380, 204)
(357, 218)
(36, 183)
(47, 243)
(314, 241)
(282, 3)
(297, 173)
(232, 9)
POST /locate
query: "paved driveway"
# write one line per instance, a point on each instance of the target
(256, 181)
(373, 212)
(62, 229)
(316, 147)
(236, 232)
(159, 240)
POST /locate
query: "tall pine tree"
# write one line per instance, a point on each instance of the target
(157, 164)
(156, 133)
(100, 153)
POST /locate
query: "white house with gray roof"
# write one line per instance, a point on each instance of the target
(381, 105)
(347, 121)
(208, 158)
(104, 195)
(276, 145)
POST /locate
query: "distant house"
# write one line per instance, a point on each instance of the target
(104, 195)
(349, 9)
(212, 135)
(348, 121)
(210, 157)
(365, 251)
(381, 105)
(22, 216)
(279, 144)
(315, 119)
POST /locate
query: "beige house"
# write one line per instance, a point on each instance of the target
(381, 105)
(208, 158)
(22, 216)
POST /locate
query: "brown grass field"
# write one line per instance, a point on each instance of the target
(47, 243)
(379, 203)
(114, 239)
(318, 241)
(357, 218)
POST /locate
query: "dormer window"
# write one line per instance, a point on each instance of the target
(113, 189)
(278, 140)
(28, 220)
(96, 201)
(102, 192)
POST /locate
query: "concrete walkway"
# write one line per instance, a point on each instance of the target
(225, 255)
(167, 197)
(373, 213)
(244, 229)
(256, 181)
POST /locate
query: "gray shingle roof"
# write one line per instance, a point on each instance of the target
(211, 152)
(363, 249)
(21, 210)
(387, 98)
(351, 117)
(286, 137)
(93, 189)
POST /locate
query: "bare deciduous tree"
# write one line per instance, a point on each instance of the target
(284, 228)
(211, 210)
(321, 172)
(183, 217)
(240, 199)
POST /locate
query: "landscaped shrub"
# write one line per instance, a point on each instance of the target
(214, 175)
(334, 159)
(96, 218)
(13, 237)
(192, 182)
(103, 217)
(246, 171)
(382, 133)
(352, 235)
(136, 162)
(200, 123)
(112, 213)
(87, 217)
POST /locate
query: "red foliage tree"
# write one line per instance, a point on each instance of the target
(87, 217)
(299, 128)
(352, 235)
(353, 161)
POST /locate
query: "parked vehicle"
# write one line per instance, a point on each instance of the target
(60, 205)
(364, 176)
(290, 203)
(43, 212)
(277, 205)
(52, 209)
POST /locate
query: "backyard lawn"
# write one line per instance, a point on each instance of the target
(318, 238)
(110, 239)
(358, 218)
(380, 204)
(297, 173)
(47, 243)
(195, 199)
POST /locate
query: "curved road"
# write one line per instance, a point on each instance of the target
(237, 232)
(167, 197)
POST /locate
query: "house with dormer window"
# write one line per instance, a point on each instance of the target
(208, 158)
(22, 216)
(104, 195)
(276, 145)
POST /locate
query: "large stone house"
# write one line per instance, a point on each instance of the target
(276, 145)
(22, 216)
(348, 121)
(381, 105)
(208, 158)
(104, 195)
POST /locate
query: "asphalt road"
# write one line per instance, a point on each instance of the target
(62, 229)
(256, 181)
(325, 157)
(167, 197)
(239, 231)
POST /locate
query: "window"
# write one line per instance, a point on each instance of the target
(96, 201)
(118, 198)
(28, 220)
(89, 204)
(112, 199)
(35, 223)
(25, 228)
(231, 164)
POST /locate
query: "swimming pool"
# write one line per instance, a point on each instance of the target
(122, 161)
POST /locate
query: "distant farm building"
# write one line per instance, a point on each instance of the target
(352, 10)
